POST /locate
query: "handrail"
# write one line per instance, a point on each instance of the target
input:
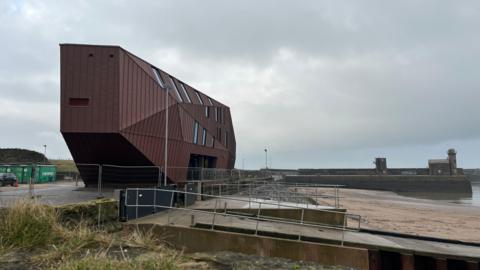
(258, 217)
(241, 200)
(231, 199)
(304, 195)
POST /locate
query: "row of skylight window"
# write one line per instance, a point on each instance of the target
(218, 111)
(182, 87)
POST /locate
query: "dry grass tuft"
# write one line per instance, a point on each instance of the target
(27, 224)
(102, 262)
(38, 229)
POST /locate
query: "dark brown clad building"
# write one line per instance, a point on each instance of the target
(113, 112)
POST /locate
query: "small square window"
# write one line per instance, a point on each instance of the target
(78, 102)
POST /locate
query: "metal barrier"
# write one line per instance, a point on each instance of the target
(274, 191)
(136, 203)
(154, 174)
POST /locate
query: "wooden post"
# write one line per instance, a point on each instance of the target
(99, 182)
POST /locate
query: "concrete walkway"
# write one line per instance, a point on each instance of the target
(183, 217)
(242, 202)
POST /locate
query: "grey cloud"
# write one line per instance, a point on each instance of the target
(341, 78)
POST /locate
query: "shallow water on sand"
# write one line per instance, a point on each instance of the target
(475, 199)
(466, 199)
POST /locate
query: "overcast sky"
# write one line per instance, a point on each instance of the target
(318, 83)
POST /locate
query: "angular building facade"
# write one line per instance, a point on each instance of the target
(113, 111)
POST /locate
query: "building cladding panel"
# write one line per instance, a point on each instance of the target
(113, 112)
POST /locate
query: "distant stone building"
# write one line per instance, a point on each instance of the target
(381, 165)
(444, 166)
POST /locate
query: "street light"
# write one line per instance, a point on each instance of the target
(266, 158)
(167, 88)
(45, 154)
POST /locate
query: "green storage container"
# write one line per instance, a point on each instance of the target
(45, 173)
(23, 172)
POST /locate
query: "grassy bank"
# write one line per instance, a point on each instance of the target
(35, 235)
(64, 165)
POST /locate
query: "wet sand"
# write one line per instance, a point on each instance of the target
(389, 211)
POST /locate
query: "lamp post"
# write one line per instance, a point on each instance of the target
(266, 158)
(45, 154)
(167, 88)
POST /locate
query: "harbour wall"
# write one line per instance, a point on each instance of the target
(369, 171)
(395, 183)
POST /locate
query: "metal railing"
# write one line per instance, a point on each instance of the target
(274, 190)
(108, 173)
(257, 217)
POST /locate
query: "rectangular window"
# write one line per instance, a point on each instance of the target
(182, 86)
(78, 102)
(221, 116)
(213, 142)
(207, 111)
(195, 133)
(219, 134)
(210, 101)
(199, 97)
(204, 136)
(158, 77)
(216, 114)
(176, 90)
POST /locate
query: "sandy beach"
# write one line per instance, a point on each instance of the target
(389, 211)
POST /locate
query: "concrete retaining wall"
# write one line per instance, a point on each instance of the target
(396, 183)
(201, 240)
(334, 217)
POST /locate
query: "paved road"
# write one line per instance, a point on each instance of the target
(51, 193)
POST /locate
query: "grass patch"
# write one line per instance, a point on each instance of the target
(27, 225)
(60, 238)
(64, 165)
(101, 262)
(73, 241)
(89, 212)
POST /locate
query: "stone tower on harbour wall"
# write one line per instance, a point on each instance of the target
(452, 160)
